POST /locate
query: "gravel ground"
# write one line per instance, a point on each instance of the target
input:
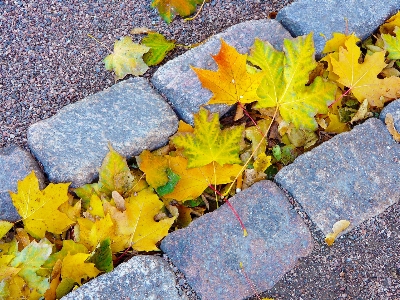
(47, 61)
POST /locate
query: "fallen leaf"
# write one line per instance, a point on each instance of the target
(392, 44)
(337, 228)
(39, 209)
(102, 256)
(286, 76)
(159, 47)
(30, 260)
(362, 79)
(338, 40)
(68, 246)
(231, 83)
(126, 58)
(5, 227)
(194, 181)
(262, 162)
(75, 267)
(391, 24)
(391, 128)
(335, 126)
(114, 174)
(168, 9)
(362, 113)
(140, 212)
(209, 143)
(90, 234)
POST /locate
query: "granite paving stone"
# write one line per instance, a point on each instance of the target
(210, 249)
(394, 109)
(15, 164)
(140, 278)
(326, 17)
(181, 86)
(353, 176)
(130, 115)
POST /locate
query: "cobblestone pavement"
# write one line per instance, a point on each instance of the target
(284, 255)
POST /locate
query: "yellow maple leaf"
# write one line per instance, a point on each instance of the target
(231, 83)
(338, 40)
(39, 209)
(194, 181)
(89, 233)
(335, 126)
(208, 142)
(154, 166)
(136, 225)
(75, 267)
(285, 82)
(5, 227)
(391, 24)
(362, 79)
(127, 58)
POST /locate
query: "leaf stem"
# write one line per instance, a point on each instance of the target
(198, 12)
(250, 117)
(252, 154)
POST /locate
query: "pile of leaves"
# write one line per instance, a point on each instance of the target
(286, 104)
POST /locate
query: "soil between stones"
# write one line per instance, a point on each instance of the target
(47, 61)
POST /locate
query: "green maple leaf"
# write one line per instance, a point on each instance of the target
(392, 44)
(209, 143)
(168, 9)
(126, 58)
(30, 260)
(159, 47)
(286, 76)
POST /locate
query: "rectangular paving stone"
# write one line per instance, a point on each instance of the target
(15, 164)
(72, 144)
(329, 16)
(210, 249)
(354, 176)
(178, 82)
(140, 278)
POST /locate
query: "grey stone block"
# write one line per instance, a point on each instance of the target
(394, 109)
(353, 176)
(15, 164)
(329, 16)
(72, 144)
(178, 82)
(210, 249)
(140, 278)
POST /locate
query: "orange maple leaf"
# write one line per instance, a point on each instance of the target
(231, 83)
